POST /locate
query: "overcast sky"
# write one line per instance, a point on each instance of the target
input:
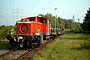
(13, 10)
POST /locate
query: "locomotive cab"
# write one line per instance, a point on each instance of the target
(45, 26)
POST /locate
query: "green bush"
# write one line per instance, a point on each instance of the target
(5, 30)
(86, 44)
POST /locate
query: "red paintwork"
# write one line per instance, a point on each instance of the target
(27, 26)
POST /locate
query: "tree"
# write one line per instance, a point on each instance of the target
(67, 24)
(5, 31)
(41, 15)
(50, 17)
(86, 24)
(60, 22)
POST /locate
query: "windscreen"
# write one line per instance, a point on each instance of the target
(43, 21)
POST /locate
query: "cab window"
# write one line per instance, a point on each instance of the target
(43, 21)
(31, 19)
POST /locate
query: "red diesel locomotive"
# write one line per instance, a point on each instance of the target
(30, 32)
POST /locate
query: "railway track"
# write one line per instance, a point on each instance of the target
(13, 54)
(31, 53)
(20, 54)
(24, 54)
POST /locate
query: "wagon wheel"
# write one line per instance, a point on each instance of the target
(26, 44)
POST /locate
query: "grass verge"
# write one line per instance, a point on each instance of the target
(65, 47)
(4, 44)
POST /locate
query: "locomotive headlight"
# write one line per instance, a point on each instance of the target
(14, 38)
(20, 37)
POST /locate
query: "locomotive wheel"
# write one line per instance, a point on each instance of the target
(47, 37)
(13, 43)
(38, 41)
(26, 44)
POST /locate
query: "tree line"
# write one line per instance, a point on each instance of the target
(60, 22)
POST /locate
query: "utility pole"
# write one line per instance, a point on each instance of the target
(49, 21)
(78, 20)
(1, 16)
(78, 24)
(1, 12)
(17, 12)
(70, 24)
(55, 18)
(73, 19)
